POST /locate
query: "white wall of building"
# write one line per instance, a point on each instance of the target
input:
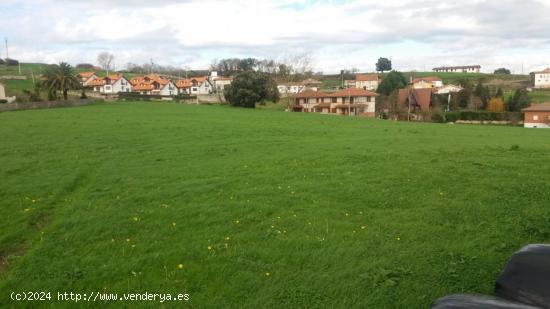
(537, 125)
(169, 89)
(542, 80)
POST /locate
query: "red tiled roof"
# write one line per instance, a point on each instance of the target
(366, 77)
(348, 92)
(86, 74)
(311, 94)
(547, 71)
(420, 97)
(187, 83)
(143, 87)
(183, 83)
(353, 92)
(542, 107)
(97, 82)
(149, 78)
(102, 80)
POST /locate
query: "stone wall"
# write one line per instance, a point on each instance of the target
(39, 105)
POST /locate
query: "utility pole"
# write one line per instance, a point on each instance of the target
(522, 68)
(7, 52)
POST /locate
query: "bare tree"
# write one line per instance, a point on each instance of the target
(105, 59)
(292, 68)
(299, 64)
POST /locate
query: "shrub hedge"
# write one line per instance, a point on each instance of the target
(136, 96)
(482, 116)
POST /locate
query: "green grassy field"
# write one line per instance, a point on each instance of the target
(540, 96)
(263, 209)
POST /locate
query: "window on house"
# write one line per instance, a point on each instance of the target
(535, 117)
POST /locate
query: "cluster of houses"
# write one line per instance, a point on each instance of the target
(359, 97)
(154, 84)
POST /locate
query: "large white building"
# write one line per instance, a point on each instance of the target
(459, 69)
(541, 79)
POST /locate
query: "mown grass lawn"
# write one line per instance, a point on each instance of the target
(264, 209)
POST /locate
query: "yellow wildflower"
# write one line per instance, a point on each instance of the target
(180, 266)
(268, 274)
(209, 247)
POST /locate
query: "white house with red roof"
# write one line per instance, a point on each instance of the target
(367, 81)
(154, 84)
(111, 84)
(350, 101)
(195, 86)
(541, 79)
(86, 77)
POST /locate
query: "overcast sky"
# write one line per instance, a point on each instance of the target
(416, 34)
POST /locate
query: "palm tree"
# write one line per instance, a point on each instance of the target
(60, 78)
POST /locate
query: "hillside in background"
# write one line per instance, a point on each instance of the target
(508, 83)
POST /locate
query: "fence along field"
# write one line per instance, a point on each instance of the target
(247, 208)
